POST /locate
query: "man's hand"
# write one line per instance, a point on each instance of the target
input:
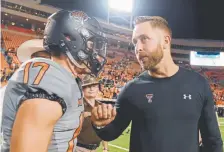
(103, 114)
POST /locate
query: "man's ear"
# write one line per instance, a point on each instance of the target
(167, 42)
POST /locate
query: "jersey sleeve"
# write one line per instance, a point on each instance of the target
(208, 124)
(42, 80)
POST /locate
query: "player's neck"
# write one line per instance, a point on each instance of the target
(166, 68)
(63, 61)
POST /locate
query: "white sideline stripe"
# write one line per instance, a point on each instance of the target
(118, 147)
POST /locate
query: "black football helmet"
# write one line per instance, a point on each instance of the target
(78, 36)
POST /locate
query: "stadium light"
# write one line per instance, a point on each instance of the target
(121, 5)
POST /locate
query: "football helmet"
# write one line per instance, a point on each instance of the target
(78, 36)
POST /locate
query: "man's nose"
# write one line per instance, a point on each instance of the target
(139, 47)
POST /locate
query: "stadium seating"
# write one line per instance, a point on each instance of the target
(4, 64)
(13, 40)
(18, 29)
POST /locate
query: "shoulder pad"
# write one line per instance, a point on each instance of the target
(43, 74)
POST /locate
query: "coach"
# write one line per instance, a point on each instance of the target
(167, 104)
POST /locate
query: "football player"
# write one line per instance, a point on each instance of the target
(42, 103)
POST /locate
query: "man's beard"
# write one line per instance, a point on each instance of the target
(153, 59)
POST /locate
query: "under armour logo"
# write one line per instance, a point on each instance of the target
(149, 97)
(187, 96)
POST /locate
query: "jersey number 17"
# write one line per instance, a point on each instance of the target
(44, 67)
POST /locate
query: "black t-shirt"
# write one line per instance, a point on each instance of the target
(166, 114)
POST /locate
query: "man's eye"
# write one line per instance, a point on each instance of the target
(144, 38)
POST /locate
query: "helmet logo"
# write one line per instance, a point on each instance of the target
(79, 15)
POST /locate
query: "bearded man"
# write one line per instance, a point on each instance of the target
(167, 104)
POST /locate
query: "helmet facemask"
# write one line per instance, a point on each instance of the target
(93, 53)
(96, 50)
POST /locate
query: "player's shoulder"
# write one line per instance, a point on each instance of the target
(42, 73)
(35, 62)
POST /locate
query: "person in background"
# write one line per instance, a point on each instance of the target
(88, 141)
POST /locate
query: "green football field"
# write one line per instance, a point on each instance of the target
(122, 143)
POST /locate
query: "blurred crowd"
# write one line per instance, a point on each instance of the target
(120, 68)
(116, 73)
(114, 76)
(11, 67)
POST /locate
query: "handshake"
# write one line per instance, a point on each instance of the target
(103, 114)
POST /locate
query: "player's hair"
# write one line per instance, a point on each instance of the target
(155, 22)
(44, 54)
(56, 52)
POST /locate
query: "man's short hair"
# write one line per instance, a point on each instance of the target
(155, 22)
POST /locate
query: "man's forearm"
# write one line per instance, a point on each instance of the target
(107, 133)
